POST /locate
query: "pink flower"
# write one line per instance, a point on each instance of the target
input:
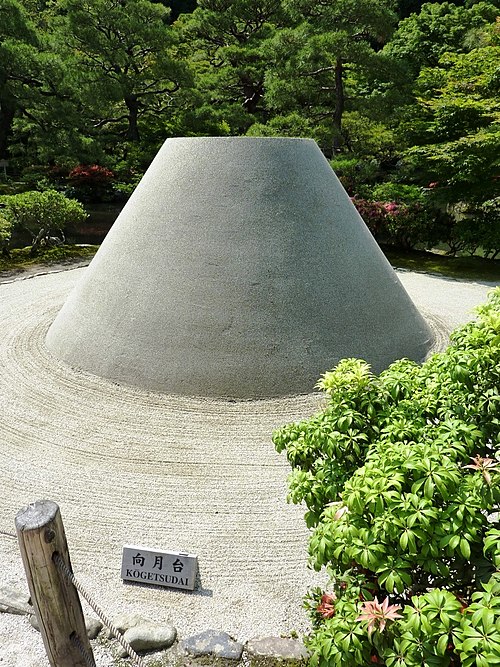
(326, 608)
(341, 510)
(390, 207)
(377, 614)
(483, 465)
(340, 513)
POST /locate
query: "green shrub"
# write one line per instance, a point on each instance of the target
(37, 177)
(414, 224)
(5, 234)
(356, 174)
(42, 214)
(400, 192)
(474, 227)
(400, 475)
(490, 227)
(480, 228)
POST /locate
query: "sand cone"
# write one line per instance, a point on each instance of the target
(238, 268)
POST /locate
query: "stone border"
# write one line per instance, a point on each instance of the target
(161, 645)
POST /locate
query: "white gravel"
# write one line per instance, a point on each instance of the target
(127, 466)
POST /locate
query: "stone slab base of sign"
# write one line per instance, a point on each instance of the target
(14, 601)
(211, 642)
(124, 622)
(93, 626)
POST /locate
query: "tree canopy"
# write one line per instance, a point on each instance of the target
(402, 94)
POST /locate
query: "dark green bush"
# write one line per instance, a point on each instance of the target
(356, 174)
(400, 475)
(5, 234)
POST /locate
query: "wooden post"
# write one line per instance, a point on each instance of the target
(40, 532)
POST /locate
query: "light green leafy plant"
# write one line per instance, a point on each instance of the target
(401, 477)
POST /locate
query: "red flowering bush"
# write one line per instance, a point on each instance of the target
(90, 175)
(404, 225)
(374, 215)
(91, 183)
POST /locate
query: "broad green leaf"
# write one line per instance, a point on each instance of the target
(465, 548)
(429, 488)
(442, 644)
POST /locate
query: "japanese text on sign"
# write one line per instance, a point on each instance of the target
(162, 568)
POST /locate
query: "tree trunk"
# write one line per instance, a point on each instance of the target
(133, 112)
(253, 95)
(7, 113)
(35, 245)
(339, 105)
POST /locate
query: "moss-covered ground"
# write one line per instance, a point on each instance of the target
(20, 258)
(465, 268)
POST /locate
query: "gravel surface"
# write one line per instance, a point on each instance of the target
(188, 474)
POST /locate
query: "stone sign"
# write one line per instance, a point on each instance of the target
(175, 569)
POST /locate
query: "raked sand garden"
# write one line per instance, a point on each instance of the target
(128, 466)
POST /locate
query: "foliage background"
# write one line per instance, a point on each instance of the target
(402, 97)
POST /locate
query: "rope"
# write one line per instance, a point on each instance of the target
(3, 532)
(71, 577)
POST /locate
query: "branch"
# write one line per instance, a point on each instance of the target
(35, 83)
(331, 68)
(106, 121)
(160, 91)
(364, 34)
(33, 118)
